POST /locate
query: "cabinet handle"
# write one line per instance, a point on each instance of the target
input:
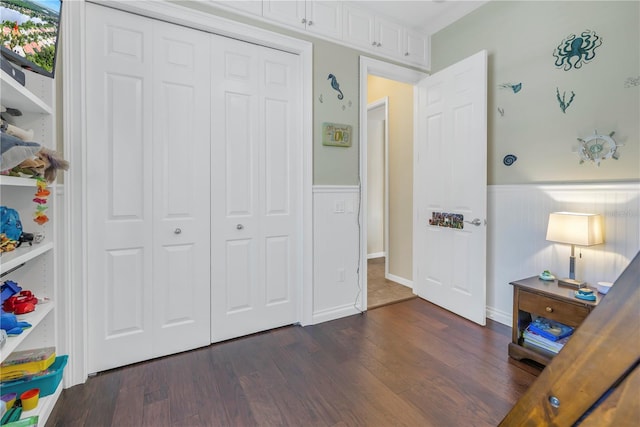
(177, 231)
(548, 310)
(310, 23)
(239, 226)
(304, 21)
(379, 45)
(374, 44)
(406, 54)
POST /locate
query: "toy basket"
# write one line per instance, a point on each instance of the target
(47, 383)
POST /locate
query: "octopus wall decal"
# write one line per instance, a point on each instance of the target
(574, 51)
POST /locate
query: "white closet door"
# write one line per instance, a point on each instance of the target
(181, 188)
(256, 209)
(147, 177)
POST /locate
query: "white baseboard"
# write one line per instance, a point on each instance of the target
(376, 255)
(400, 280)
(500, 316)
(334, 313)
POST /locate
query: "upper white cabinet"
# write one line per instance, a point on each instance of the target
(322, 17)
(383, 37)
(344, 22)
(253, 7)
(416, 46)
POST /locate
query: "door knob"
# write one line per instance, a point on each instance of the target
(239, 226)
(476, 222)
(177, 231)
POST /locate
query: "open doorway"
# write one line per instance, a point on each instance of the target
(381, 290)
(388, 265)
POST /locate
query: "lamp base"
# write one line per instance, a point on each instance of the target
(571, 283)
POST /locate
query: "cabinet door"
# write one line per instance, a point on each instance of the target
(290, 12)
(325, 17)
(359, 27)
(416, 48)
(388, 37)
(253, 7)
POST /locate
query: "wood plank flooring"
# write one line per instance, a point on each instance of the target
(405, 364)
(381, 291)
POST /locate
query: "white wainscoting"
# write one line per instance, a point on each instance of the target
(516, 245)
(516, 231)
(336, 291)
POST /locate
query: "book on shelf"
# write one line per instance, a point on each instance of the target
(533, 338)
(550, 329)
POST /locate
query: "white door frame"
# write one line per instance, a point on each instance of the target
(369, 66)
(73, 294)
(384, 102)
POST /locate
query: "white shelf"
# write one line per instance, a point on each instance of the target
(24, 253)
(45, 406)
(17, 181)
(34, 318)
(15, 95)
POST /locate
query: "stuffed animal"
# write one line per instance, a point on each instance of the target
(46, 164)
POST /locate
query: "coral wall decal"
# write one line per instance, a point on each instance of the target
(574, 51)
(564, 104)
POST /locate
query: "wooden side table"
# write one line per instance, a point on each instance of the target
(536, 297)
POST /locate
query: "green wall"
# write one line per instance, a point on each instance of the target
(521, 37)
(331, 165)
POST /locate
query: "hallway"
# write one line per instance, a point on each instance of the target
(381, 291)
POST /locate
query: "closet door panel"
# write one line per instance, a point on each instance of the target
(255, 216)
(239, 154)
(148, 174)
(119, 178)
(181, 152)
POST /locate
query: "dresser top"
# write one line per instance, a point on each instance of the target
(551, 288)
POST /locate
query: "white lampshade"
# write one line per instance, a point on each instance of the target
(580, 229)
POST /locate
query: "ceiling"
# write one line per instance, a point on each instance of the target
(426, 16)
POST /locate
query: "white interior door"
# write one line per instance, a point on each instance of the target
(147, 177)
(256, 209)
(450, 177)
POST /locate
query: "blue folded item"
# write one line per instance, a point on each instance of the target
(550, 329)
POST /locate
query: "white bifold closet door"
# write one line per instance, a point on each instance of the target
(257, 186)
(148, 188)
(194, 188)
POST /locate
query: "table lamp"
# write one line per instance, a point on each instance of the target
(581, 229)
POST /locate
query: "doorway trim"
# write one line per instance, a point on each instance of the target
(370, 66)
(72, 314)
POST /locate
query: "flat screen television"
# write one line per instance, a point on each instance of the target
(29, 36)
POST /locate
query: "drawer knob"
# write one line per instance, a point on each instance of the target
(549, 310)
(555, 402)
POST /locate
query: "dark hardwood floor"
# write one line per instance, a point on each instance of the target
(405, 364)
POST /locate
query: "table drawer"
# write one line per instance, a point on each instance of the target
(550, 308)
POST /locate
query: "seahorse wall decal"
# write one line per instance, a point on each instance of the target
(562, 101)
(335, 85)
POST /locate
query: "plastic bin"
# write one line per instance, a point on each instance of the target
(46, 383)
(9, 371)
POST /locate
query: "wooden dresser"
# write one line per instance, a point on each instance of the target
(536, 297)
(594, 380)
